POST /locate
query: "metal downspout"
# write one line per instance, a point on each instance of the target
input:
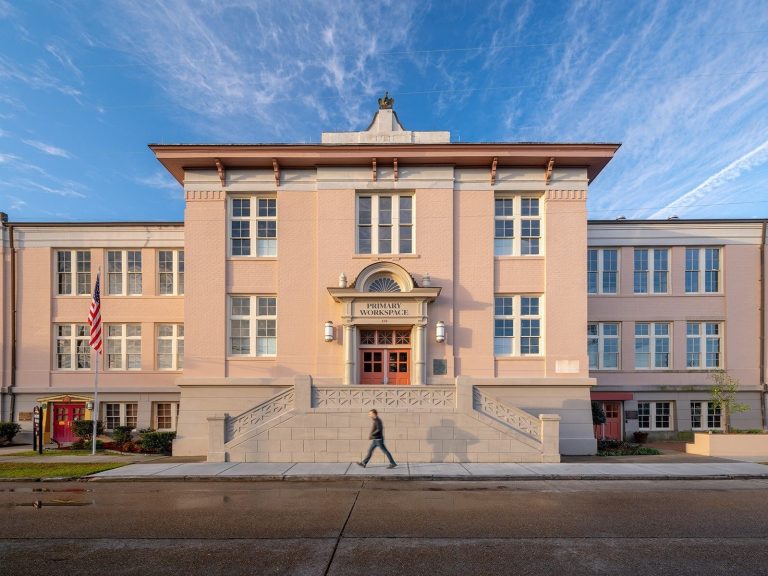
(12, 388)
(764, 391)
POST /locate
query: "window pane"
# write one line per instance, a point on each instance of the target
(364, 210)
(530, 207)
(406, 243)
(406, 210)
(385, 210)
(267, 207)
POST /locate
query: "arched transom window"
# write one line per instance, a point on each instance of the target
(384, 284)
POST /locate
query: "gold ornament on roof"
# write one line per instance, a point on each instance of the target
(385, 103)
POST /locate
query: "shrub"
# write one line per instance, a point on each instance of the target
(121, 435)
(8, 430)
(598, 414)
(83, 429)
(619, 448)
(154, 442)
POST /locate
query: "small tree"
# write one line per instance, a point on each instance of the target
(723, 394)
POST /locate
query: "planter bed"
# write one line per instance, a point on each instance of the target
(726, 445)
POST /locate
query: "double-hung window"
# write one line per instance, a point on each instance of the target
(603, 345)
(120, 414)
(73, 272)
(73, 351)
(164, 415)
(253, 226)
(603, 271)
(702, 270)
(703, 345)
(124, 272)
(515, 314)
(170, 267)
(252, 326)
(652, 345)
(655, 416)
(170, 346)
(385, 224)
(705, 416)
(123, 346)
(651, 270)
(521, 214)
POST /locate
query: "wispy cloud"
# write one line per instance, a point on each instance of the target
(64, 189)
(734, 170)
(64, 59)
(274, 74)
(5, 9)
(48, 149)
(160, 180)
(16, 204)
(38, 76)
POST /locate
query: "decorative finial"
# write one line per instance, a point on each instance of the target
(342, 280)
(385, 103)
(426, 281)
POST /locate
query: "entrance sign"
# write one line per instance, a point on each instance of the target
(379, 309)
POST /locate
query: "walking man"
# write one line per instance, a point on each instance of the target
(377, 440)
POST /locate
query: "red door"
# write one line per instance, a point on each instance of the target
(63, 416)
(611, 430)
(372, 366)
(397, 367)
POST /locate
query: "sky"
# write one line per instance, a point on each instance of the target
(86, 85)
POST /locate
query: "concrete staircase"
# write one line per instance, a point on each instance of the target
(307, 423)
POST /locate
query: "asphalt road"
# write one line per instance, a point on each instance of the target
(385, 527)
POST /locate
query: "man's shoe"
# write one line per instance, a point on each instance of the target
(392, 466)
(360, 464)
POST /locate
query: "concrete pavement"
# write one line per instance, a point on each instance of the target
(417, 471)
(353, 526)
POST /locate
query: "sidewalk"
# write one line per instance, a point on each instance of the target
(442, 471)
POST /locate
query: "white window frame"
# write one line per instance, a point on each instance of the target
(122, 414)
(514, 322)
(701, 272)
(262, 328)
(652, 271)
(504, 245)
(654, 338)
(707, 411)
(123, 339)
(395, 225)
(600, 339)
(71, 341)
(176, 340)
(258, 246)
(600, 272)
(703, 338)
(75, 274)
(156, 416)
(126, 275)
(176, 273)
(654, 409)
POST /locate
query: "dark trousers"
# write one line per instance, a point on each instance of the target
(378, 443)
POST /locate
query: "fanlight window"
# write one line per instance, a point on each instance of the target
(384, 284)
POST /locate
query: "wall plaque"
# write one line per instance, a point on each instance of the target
(439, 367)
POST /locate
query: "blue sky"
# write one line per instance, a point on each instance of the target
(86, 85)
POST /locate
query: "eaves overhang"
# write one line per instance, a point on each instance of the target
(177, 158)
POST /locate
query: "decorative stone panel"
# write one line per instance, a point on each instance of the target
(389, 398)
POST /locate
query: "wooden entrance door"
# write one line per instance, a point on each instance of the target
(398, 367)
(372, 366)
(385, 366)
(611, 430)
(63, 416)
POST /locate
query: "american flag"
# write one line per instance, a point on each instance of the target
(94, 317)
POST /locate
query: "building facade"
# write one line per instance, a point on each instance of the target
(441, 283)
(670, 302)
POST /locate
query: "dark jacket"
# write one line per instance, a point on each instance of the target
(377, 432)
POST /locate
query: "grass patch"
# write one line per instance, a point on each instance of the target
(52, 470)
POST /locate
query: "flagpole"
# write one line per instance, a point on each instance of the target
(95, 414)
(96, 341)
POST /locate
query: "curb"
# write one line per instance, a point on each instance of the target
(392, 478)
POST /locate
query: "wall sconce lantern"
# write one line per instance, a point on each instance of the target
(440, 331)
(329, 331)
(89, 405)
